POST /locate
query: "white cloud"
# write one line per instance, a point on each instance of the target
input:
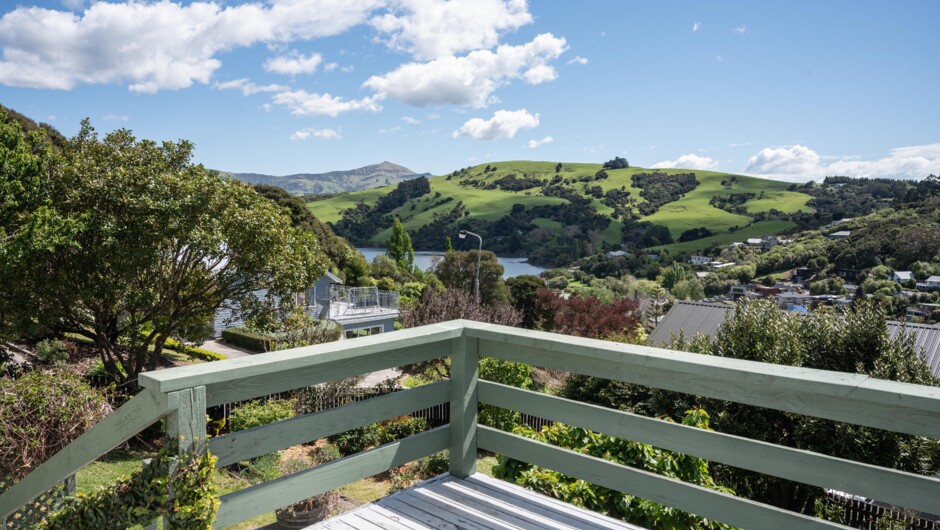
(329, 67)
(532, 144)
(410, 121)
(578, 59)
(471, 79)
(696, 26)
(719, 59)
(800, 163)
(739, 30)
(689, 161)
(116, 117)
(294, 64)
(324, 134)
(153, 46)
(303, 103)
(390, 130)
(247, 87)
(432, 29)
(503, 124)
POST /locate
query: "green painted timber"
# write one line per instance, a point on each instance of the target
(851, 398)
(691, 498)
(464, 371)
(186, 424)
(265, 439)
(263, 498)
(263, 374)
(131, 418)
(887, 485)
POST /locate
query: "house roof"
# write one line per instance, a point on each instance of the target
(692, 318)
(934, 278)
(904, 275)
(333, 278)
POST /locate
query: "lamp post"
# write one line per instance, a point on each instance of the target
(476, 283)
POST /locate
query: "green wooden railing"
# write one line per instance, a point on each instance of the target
(182, 395)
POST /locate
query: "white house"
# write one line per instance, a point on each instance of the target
(360, 311)
(700, 260)
(929, 284)
(902, 276)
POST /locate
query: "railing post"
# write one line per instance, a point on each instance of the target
(186, 426)
(464, 368)
(186, 423)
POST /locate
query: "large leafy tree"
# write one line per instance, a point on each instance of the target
(458, 270)
(142, 245)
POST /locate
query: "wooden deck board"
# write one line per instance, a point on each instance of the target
(475, 503)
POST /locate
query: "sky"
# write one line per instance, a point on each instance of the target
(793, 90)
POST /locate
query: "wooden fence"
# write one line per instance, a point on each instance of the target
(868, 515)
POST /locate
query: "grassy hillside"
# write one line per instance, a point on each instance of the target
(484, 199)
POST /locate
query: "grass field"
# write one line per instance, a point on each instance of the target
(690, 211)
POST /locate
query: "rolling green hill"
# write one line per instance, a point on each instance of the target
(573, 203)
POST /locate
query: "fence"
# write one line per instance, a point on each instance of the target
(866, 515)
(33, 512)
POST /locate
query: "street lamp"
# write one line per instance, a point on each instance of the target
(476, 283)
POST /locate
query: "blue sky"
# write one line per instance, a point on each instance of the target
(792, 90)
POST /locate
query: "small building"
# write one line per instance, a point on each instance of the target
(922, 310)
(700, 260)
(617, 253)
(360, 311)
(902, 277)
(753, 241)
(701, 275)
(793, 298)
(841, 234)
(718, 265)
(929, 284)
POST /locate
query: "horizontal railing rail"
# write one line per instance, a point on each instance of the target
(183, 394)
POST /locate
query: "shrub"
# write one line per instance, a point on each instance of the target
(140, 498)
(193, 352)
(255, 413)
(99, 377)
(248, 340)
(358, 440)
(40, 413)
(52, 352)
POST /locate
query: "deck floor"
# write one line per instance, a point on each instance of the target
(476, 503)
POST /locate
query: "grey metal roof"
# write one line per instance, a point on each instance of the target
(698, 317)
(691, 318)
(926, 339)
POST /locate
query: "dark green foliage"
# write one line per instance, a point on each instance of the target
(41, 412)
(51, 352)
(248, 340)
(610, 502)
(507, 373)
(52, 135)
(695, 233)
(641, 234)
(617, 163)
(659, 188)
(193, 352)
(257, 412)
(358, 440)
(361, 222)
(458, 270)
(733, 203)
(522, 290)
(346, 260)
(145, 495)
(513, 183)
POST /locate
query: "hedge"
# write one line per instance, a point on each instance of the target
(193, 352)
(250, 341)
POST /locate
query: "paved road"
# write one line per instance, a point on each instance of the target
(227, 350)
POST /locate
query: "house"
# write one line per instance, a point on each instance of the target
(793, 298)
(700, 260)
(841, 234)
(768, 242)
(929, 284)
(922, 310)
(738, 291)
(902, 277)
(360, 311)
(753, 241)
(694, 318)
(617, 253)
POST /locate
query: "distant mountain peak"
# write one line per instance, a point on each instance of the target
(384, 173)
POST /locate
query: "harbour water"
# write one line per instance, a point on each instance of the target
(425, 260)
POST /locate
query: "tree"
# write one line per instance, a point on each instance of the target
(523, 291)
(558, 168)
(617, 163)
(399, 247)
(458, 270)
(141, 245)
(448, 246)
(587, 316)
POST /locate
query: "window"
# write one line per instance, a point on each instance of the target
(363, 332)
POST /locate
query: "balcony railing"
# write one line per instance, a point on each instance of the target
(353, 301)
(182, 395)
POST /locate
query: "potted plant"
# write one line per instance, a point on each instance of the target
(310, 510)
